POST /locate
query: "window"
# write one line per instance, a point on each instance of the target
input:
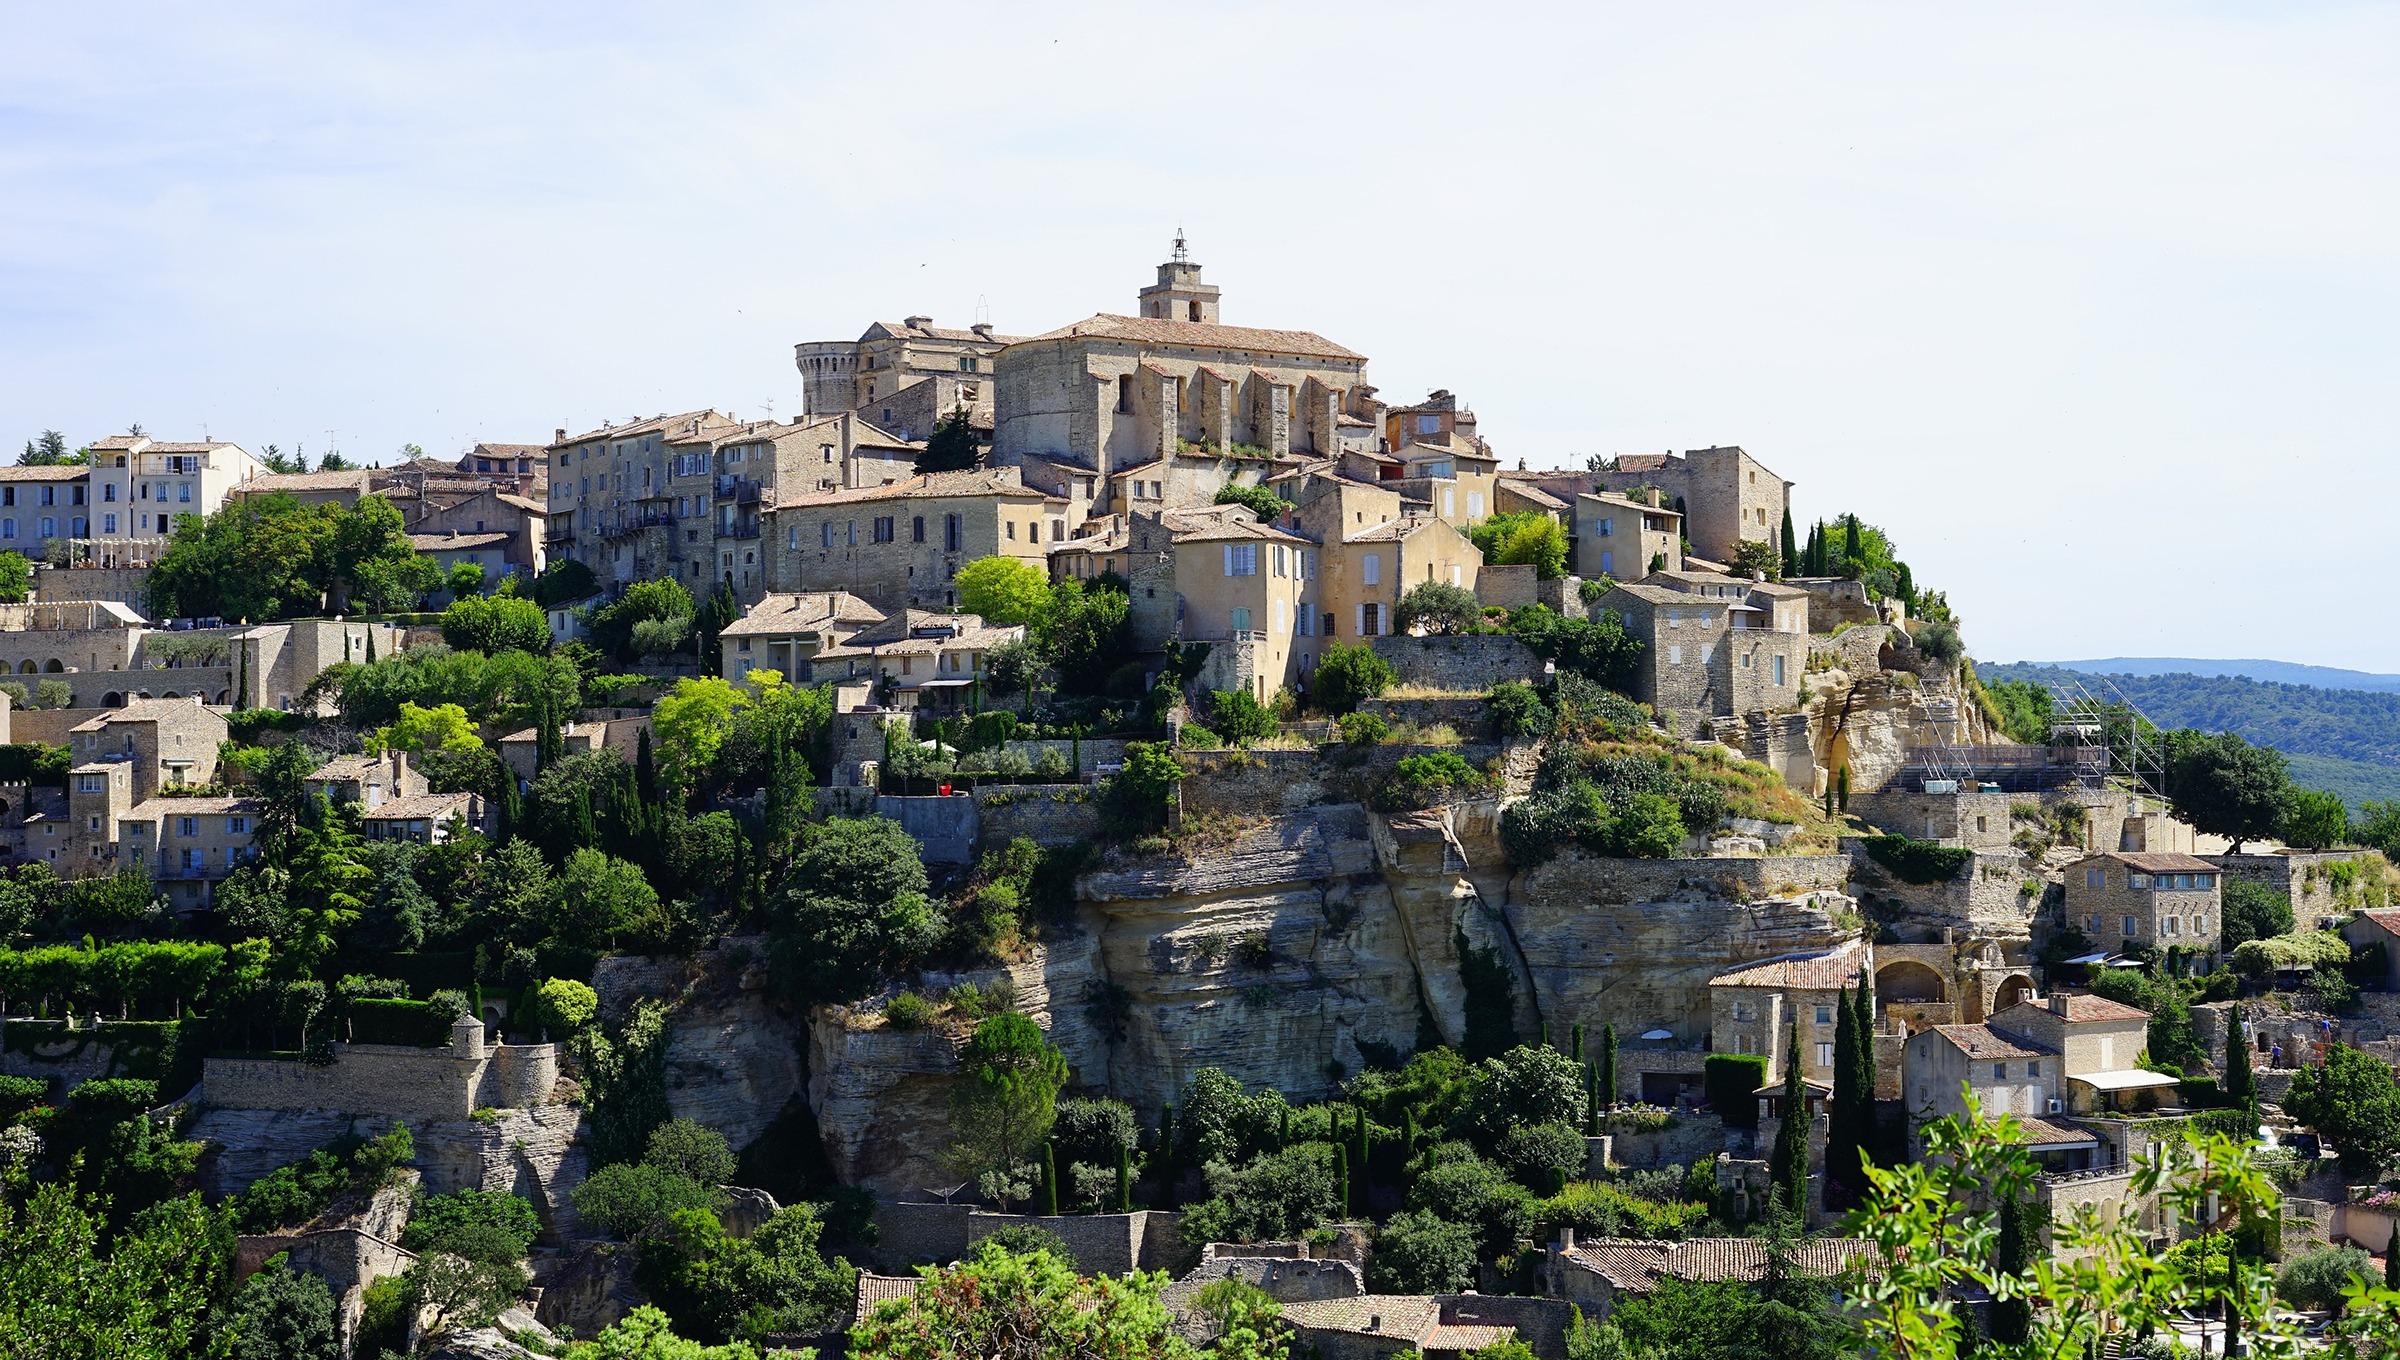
(825, 533)
(2033, 1069)
(827, 450)
(2172, 925)
(1370, 620)
(2181, 880)
(2091, 925)
(187, 826)
(1429, 424)
(1279, 560)
(1241, 559)
(109, 521)
(1124, 391)
(1824, 1015)
(237, 826)
(1608, 528)
(1608, 562)
(1370, 571)
(2137, 880)
(1824, 1055)
(1674, 618)
(1745, 1044)
(1474, 505)
(2095, 878)
(1779, 670)
(1241, 619)
(1010, 526)
(953, 529)
(91, 783)
(883, 528)
(2000, 1071)
(1741, 1011)
(2204, 880)
(1329, 623)
(850, 526)
(791, 538)
(1449, 502)
(109, 492)
(8, 527)
(917, 530)
(2133, 926)
(1675, 656)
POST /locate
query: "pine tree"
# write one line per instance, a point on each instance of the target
(2011, 1318)
(1791, 549)
(1841, 1117)
(1608, 1066)
(2241, 1086)
(1787, 1165)
(1124, 1179)
(1050, 1178)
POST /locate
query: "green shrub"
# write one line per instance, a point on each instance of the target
(1915, 861)
(1364, 729)
(1516, 710)
(564, 1007)
(2301, 949)
(2317, 1280)
(1239, 717)
(1349, 675)
(1542, 1156)
(1422, 779)
(386, 1020)
(907, 1011)
(626, 1198)
(442, 1222)
(1432, 607)
(1422, 1253)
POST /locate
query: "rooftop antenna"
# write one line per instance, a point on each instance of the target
(1181, 254)
(983, 310)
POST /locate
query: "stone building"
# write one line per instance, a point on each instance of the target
(188, 844)
(1713, 646)
(425, 818)
(368, 781)
(1752, 1008)
(2064, 1066)
(1727, 496)
(139, 484)
(903, 375)
(903, 544)
(1113, 392)
(2378, 926)
(1233, 579)
(1619, 537)
(168, 742)
(1597, 1274)
(784, 632)
(2153, 901)
(918, 658)
(500, 531)
(42, 504)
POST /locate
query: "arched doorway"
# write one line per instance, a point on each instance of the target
(56, 666)
(2014, 988)
(1907, 980)
(28, 668)
(112, 699)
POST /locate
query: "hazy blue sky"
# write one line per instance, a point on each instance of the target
(2088, 305)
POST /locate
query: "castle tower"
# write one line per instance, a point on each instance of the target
(1179, 295)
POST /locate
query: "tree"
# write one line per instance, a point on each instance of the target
(627, 1197)
(1011, 668)
(1007, 1096)
(147, 1297)
(952, 447)
(1787, 1164)
(2241, 1085)
(1432, 607)
(1239, 717)
(664, 605)
(465, 579)
(2351, 1099)
(691, 1149)
(852, 908)
(1845, 1139)
(1419, 1253)
(1136, 799)
(1084, 634)
(2011, 1317)
(1531, 538)
(595, 898)
(692, 724)
(1527, 1085)
(564, 1006)
(2319, 1279)
(1607, 1071)
(646, 1333)
(2252, 911)
(492, 624)
(280, 1314)
(564, 582)
(999, 1304)
(368, 558)
(2315, 820)
(1756, 555)
(16, 578)
(1003, 590)
(443, 728)
(1789, 542)
(1260, 500)
(2226, 787)
(1348, 675)
(48, 451)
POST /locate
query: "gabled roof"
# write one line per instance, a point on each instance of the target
(929, 485)
(348, 768)
(648, 425)
(1641, 462)
(875, 1289)
(1816, 970)
(1638, 1266)
(1393, 530)
(2080, 1010)
(2386, 917)
(452, 541)
(45, 472)
(1528, 491)
(1201, 335)
(345, 479)
(2158, 862)
(2041, 1132)
(901, 329)
(150, 808)
(432, 807)
(1982, 1041)
(141, 711)
(795, 612)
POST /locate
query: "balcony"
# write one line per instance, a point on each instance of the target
(740, 490)
(748, 529)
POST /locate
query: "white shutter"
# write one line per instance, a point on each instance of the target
(1229, 559)
(1361, 629)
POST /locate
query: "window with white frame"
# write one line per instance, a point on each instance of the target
(1241, 559)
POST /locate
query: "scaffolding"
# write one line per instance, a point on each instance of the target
(2102, 738)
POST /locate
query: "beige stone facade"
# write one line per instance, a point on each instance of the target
(2152, 901)
(1235, 579)
(903, 544)
(369, 781)
(140, 485)
(918, 658)
(915, 370)
(784, 632)
(1752, 1008)
(1708, 651)
(1620, 537)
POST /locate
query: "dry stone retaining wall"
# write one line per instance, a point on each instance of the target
(1473, 663)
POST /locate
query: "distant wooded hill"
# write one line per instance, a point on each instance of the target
(2274, 672)
(2345, 740)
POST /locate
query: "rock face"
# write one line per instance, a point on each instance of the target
(733, 1058)
(587, 1288)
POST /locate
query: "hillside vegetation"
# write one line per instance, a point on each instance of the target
(2351, 726)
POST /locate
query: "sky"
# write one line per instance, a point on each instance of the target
(2085, 305)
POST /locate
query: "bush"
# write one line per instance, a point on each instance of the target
(1420, 780)
(907, 1010)
(2317, 1279)
(1239, 717)
(444, 1222)
(1364, 729)
(1421, 1253)
(1915, 861)
(2301, 949)
(495, 623)
(563, 1006)
(1939, 641)
(1526, 1085)
(688, 1148)
(383, 1020)
(1432, 607)
(1092, 1131)
(1470, 1191)
(1731, 1082)
(1516, 710)
(626, 1198)
(1281, 1195)
(2253, 911)
(1542, 1156)
(1349, 675)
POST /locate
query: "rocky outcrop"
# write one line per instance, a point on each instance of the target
(585, 1288)
(734, 1059)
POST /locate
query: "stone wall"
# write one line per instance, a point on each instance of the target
(1464, 716)
(1048, 814)
(1984, 899)
(2300, 873)
(69, 1057)
(1251, 782)
(1091, 752)
(415, 1084)
(1509, 587)
(1979, 820)
(1689, 1138)
(910, 1233)
(1472, 663)
(944, 828)
(1563, 595)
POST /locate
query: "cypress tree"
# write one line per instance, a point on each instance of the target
(1544, 1032)
(1787, 1165)
(2391, 1258)
(1166, 1151)
(1841, 1116)
(1124, 1179)
(645, 768)
(2241, 1087)
(1366, 1146)
(1577, 1055)
(1591, 1100)
(1341, 1175)
(1791, 550)
(370, 645)
(1608, 1066)
(1841, 787)
(2011, 1318)
(1866, 1079)
(1408, 1133)
(1050, 1178)
(1854, 549)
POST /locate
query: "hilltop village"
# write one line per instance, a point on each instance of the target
(1125, 799)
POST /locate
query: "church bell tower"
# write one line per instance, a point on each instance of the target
(1179, 295)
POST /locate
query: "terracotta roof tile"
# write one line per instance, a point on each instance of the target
(1982, 1041)
(452, 541)
(1202, 335)
(1638, 1266)
(1818, 970)
(875, 1289)
(2158, 862)
(433, 807)
(1407, 1316)
(979, 482)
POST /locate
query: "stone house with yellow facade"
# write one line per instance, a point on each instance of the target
(124, 808)
(2152, 901)
(902, 544)
(1621, 536)
(918, 658)
(1249, 588)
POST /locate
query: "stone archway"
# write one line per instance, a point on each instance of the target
(2013, 988)
(112, 699)
(28, 668)
(1907, 980)
(56, 667)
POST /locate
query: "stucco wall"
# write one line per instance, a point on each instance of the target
(944, 828)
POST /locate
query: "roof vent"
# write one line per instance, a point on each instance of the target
(918, 323)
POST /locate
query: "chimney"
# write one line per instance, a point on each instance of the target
(1566, 1239)
(918, 323)
(2058, 1004)
(982, 328)
(562, 435)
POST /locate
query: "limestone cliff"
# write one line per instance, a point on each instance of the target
(734, 1059)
